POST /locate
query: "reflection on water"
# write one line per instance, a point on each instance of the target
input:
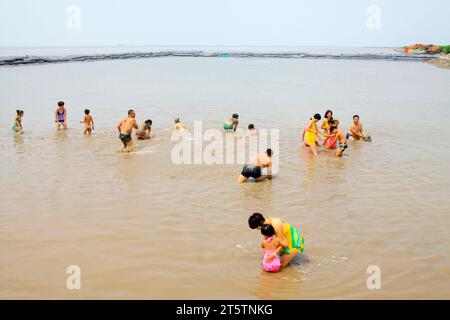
(140, 226)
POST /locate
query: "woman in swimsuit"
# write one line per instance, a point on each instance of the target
(311, 134)
(285, 232)
(61, 116)
(17, 123)
(327, 118)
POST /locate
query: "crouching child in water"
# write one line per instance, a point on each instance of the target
(341, 139)
(272, 246)
(17, 122)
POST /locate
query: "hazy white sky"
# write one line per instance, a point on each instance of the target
(223, 22)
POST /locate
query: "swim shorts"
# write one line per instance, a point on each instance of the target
(125, 137)
(227, 126)
(343, 146)
(251, 172)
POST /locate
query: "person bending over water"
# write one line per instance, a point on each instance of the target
(88, 122)
(272, 246)
(341, 138)
(285, 232)
(61, 116)
(125, 128)
(178, 125)
(311, 134)
(254, 169)
(146, 130)
(232, 123)
(330, 140)
(17, 122)
(356, 131)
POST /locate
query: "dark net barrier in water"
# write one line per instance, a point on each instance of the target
(29, 60)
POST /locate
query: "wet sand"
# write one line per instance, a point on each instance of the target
(441, 63)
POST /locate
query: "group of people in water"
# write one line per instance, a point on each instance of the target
(332, 137)
(281, 242)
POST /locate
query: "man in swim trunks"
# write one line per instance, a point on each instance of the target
(254, 169)
(125, 128)
(232, 123)
(356, 131)
(61, 116)
(284, 231)
(145, 132)
(341, 139)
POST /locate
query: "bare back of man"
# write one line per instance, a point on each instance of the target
(125, 128)
(254, 168)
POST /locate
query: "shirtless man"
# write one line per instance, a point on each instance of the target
(341, 139)
(284, 231)
(261, 161)
(125, 128)
(356, 131)
(145, 132)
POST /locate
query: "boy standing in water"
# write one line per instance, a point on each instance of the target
(125, 128)
(88, 122)
(232, 123)
(356, 131)
(341, 139)
(61, 116)
(17, 123)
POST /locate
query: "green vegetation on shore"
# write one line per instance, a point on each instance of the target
(424, 48)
